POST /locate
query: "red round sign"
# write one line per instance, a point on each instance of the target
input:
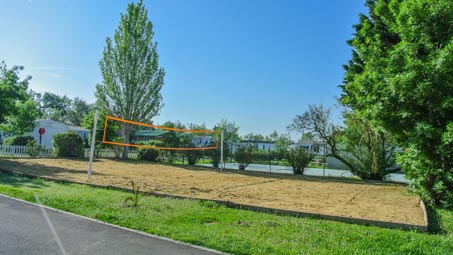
(42, 131)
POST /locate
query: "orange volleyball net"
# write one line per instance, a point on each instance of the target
(157, 137)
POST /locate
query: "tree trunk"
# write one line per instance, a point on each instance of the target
(125, 134)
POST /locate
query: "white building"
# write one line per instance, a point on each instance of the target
(317, 147)
(50, 128)
(259, 145)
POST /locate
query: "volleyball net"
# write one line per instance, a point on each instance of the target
(142, 135)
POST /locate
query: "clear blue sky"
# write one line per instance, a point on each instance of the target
(255, 62)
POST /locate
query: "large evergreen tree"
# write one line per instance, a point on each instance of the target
(132, 78)
(401, 78)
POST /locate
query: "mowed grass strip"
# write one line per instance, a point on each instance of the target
(230, 230)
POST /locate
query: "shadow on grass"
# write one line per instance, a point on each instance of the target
(18, 181)
(35, 168)
(435, 221)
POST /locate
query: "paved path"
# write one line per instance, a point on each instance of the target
(30, 229)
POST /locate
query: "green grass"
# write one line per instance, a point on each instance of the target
(231, 230)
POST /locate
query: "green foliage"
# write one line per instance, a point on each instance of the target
(215, 156)
(23, 120)
(149, 154)
(369, 150)
(401, 78)
(429, 180)
(18, 140)
(17, 111)
(76, 113)
(263, 157)
(299, 158)
(68, 145)
(33, 149)
(12, 90)
(111, 131)
(243, 155)
(132, 78)
(193, 156)
(134, 198)
(55, 107)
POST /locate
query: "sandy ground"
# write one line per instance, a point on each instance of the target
(364, 200)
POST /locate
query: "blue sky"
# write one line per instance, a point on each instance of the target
(255, 62)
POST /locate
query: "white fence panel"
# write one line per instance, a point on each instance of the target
(21, 151)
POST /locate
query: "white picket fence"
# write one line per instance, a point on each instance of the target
(21, 151)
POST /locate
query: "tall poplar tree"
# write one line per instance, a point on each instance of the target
(132, 78)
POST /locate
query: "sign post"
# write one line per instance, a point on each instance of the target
(42, 131)
(93, 136)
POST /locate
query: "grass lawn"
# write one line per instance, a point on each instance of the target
(231, 230)
(379, 201)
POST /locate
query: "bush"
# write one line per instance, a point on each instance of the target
(33, 149)
(215, 156)
(18, 140)
(148, 154)
(299, 158)
(68, 145)
(243, 156)
(262, 156)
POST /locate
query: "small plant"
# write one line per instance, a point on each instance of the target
(134, 198)
(33, 149)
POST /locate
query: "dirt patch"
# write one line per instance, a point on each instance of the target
(347, 198)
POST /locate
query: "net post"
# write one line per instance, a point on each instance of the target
(222, 134)
(93, 136)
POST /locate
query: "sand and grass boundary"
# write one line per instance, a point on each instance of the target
(370, 203)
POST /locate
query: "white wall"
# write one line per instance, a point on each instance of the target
(52, 127)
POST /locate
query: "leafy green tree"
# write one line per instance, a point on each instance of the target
(254, 137)
(77, 111)
(229, 139)
(111, 131)
(282, 141)
(243, 155)
(55, 107)
(299, 158)
(132, 78)
(365, 151)
(401, 78)
(24, 119)
(369, 149)
(13, 99)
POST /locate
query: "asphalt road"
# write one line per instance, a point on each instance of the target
(30, 229)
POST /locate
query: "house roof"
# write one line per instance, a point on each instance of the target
(156, 132)
(150, 133)
(257, 141)
(77, 128)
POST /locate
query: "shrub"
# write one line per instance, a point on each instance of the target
(215, 156)
(299, 158)
(18, 140)
(262, 156)
(148, 154)
(244, 156)
(68, 145)
(33, 149)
